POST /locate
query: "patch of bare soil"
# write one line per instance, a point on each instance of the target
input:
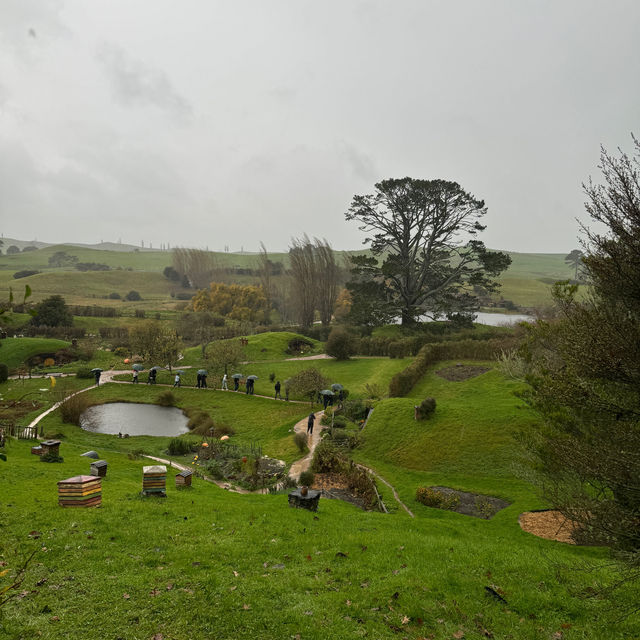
(474, 504)
(461, 372)
(334, 486)
(551, 525)
(12, 410)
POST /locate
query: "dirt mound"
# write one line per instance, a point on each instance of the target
(462, 372)
(551, 525)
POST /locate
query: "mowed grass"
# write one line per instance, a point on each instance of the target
(15, 351)
(271, 345)
(255, 420)
(204, 563)
(469, 443)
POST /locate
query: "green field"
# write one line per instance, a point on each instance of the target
(526, 282)
(206, 563)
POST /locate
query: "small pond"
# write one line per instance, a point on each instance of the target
(134, 419)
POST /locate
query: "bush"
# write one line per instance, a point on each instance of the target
(300, 439)
(437, 499)
(340, 344)
(49, 457)
(355, 410)
(426, 408)
(166, 399)
(4, 372)
(326, 458)
(115, 296)
(139, 313)
(179, 447)
(73, 407)
(306, 478)
(133, 296)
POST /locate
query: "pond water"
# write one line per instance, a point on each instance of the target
(134, 419)
(499, 319)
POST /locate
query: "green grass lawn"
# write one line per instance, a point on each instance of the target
(469, 443)
(353, 374)
(15, 351)
(204, 563)
(254, 420)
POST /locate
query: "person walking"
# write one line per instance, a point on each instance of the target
(135, 376)
(325, 399)
(236, 384)
(203, 381)
(152, 376)
(198, 380)
(277, 388)
(97, 377)
(251, 386)
(286, 392)
(176, 382)
(312, 419)
(224, 383)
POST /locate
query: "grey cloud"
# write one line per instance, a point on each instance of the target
(361, 164)
(135, 83)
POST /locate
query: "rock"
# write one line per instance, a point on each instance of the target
(90, 454)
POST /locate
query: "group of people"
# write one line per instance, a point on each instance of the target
(201, 381)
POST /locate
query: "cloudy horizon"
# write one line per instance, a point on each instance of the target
(230, 123)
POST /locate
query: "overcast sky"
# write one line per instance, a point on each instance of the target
(213, 123)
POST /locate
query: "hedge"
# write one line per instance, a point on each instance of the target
(402, 383)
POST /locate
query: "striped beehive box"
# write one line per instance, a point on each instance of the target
(183, 479)
(99, 468)
(154, 480)
(80, 491)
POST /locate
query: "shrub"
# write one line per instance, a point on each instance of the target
(339, 421)
(166, 399)
(139, 313)
(50, 457)
(73, 407)
(326, 458)
(4, 372)
(272, 377)
(133, 296)
(300, 440)
(115, 296)
(340, 344)
(306, 478)
(426, 408)
(355, 410)
(136, 454)
(437, 499)
(179, 447)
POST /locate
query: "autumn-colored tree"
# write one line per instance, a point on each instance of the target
(239, 302)
(156, 343)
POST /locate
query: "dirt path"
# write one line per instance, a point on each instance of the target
(182, 467)
(304, 463)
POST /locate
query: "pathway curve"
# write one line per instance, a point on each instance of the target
(303, 464)
(393, 491)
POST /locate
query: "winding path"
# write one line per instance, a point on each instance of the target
(296, 468)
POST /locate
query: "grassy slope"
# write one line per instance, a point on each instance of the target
(205, 563)
(14, 351)
(469, 443)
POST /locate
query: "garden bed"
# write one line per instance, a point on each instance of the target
(461, 372)
(468, 504)
(335, 486)
(548, 524)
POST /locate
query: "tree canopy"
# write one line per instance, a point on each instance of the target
(239, 302)
(426, 258)
(52, 312)
(584, 374)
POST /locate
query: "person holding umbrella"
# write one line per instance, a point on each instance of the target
(199, 380)
(135, 376)
(96, 375)
(277, 388)
(203, 379)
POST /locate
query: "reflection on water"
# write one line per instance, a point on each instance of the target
(134, 419)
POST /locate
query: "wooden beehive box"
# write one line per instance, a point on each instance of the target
(183, 479)
(99, 468)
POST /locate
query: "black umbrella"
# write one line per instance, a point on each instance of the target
(156, 368)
